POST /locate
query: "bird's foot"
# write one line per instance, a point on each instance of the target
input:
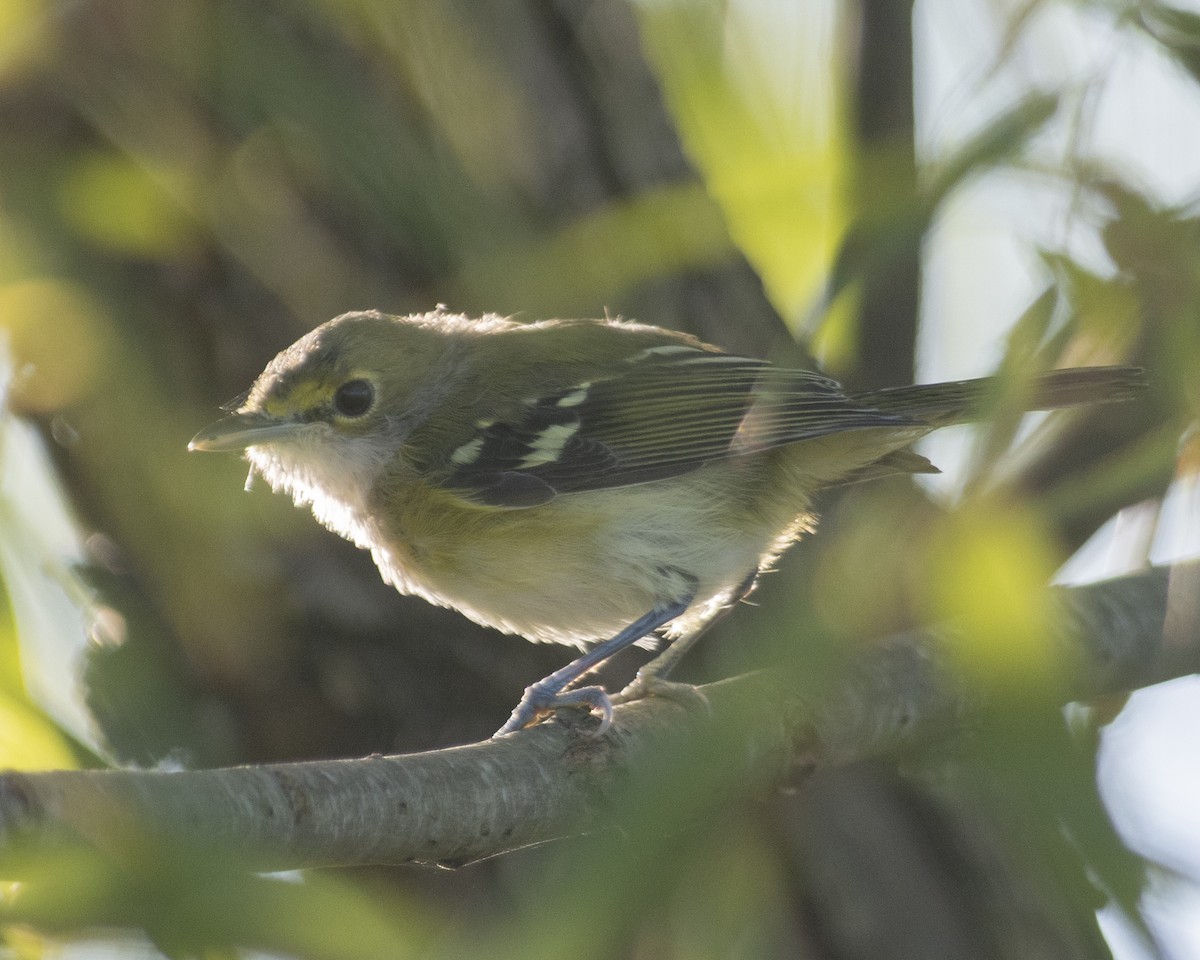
(550, 693)
(541, 699)
(646, 684)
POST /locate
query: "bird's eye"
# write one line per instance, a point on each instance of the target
(353, 398)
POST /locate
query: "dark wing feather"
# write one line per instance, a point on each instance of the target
(667, 412)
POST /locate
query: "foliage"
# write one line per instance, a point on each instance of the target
(187, 187)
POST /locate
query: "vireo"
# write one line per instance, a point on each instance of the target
(580, 481)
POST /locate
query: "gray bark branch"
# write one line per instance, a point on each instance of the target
(464, 803)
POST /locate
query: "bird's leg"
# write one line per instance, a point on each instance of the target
(651, 679)
(551, 692)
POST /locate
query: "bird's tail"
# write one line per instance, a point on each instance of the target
(961, 401)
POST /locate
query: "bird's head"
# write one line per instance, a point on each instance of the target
(330, 412)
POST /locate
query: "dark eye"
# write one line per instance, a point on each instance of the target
(353, 398)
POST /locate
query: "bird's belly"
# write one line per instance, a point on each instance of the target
(575, 570)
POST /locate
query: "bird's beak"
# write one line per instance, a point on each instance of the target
(242, 430)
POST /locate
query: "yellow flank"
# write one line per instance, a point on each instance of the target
(518, 570)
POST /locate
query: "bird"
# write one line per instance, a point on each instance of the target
(590, 482)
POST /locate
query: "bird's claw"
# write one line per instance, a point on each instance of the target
(686, 695)
(540, 700)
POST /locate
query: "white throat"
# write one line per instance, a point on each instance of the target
(333, 474)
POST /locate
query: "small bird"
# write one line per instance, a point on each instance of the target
(586, 482)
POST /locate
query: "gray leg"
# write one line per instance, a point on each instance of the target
(551, 693)
(651, 679)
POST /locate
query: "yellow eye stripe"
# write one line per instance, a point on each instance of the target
(306, 395)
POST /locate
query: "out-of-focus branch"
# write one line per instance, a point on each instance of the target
(1120, 634)
(464, 803)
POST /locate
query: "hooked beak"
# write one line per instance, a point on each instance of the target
(242, 430)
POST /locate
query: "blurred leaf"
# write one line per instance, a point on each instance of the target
(1178, 31)
(761, 114)
(28, 741)
(477, 106)
(1006, 406)
(22, 34)
(733, 903)
(999, 139)
(1137, 466)
(1158, 252)
(1105, 317)
(988, 574)
(56, 337)
(118, 204)
(604, 254)
(889, 225)
(41, 623)
(586, 897)
(1157, 246)
(192, 901)
(1042, 783)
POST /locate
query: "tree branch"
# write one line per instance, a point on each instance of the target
(464, 803)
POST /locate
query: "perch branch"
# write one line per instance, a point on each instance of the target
(464, 803)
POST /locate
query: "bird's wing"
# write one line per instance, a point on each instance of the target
(665, 411)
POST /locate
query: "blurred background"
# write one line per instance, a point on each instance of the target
(890, 190)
